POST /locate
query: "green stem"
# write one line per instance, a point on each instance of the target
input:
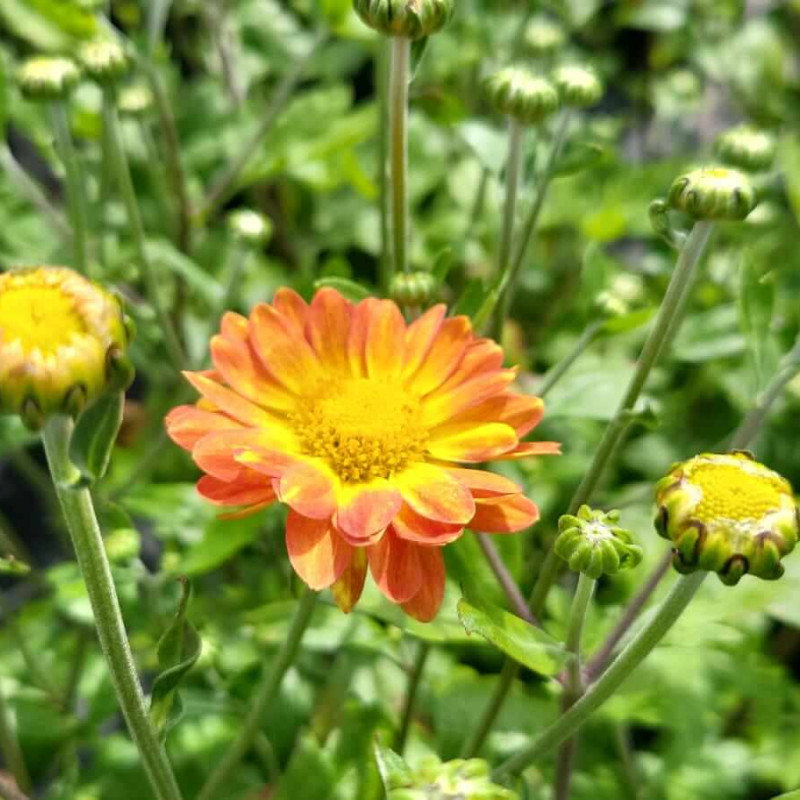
(399, 76)
(268, 687)
(76, 504)
(231, 294)
(510, 276)
(76, 198)
(10, 749)
(222, 186)
(121, 170)
(516, 141)
(414, 678)
(574, 688)
(505, 578)
(156, 22)
(639, 648)
(11, 544)
(559, 370)
(381, 83)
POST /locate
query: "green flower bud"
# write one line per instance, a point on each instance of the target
(713, 193)
(105, 61)
(746, 148)
(135, 100)
(63, 342)
(591, 542)
(543, 37)
(727, 514)
(579, 87)
(520, 95)
(250, 227)
(47, 78)
(459, 779)
(413, 289)
(412, 19)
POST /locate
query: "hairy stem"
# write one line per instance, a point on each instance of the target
(76, 504)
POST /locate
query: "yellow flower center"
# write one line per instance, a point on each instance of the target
(734, 493)
(363, 428)
(39, 317)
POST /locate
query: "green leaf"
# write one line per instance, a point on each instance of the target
(710, 335)
(788, 796)
(94, 437)
(628, 322)
(395, 773)
(163, 253)
(579, 156)
(756, 304)
(222, 538)
(442, 264)
(472, 298)
(489, 144)
(529, 646)
(310, 774)
(350, 289)
(12, 566)
(178, 650)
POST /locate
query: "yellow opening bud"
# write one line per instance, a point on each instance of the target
(104, 61)
(47, 78)
(727, 514)
(62, 343)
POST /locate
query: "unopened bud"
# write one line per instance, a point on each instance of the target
(413, 19)
(522, 96)
(104, 61)
(413, 289)
(543, 37)
(579, 87)
(47, 78)
(746, 148)
(713, 193)
(250, 226)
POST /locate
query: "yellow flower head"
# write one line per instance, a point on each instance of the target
(727, 514)
(62, 343)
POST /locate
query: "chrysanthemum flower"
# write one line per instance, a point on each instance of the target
(358, 422)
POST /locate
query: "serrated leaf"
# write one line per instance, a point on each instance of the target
(395, 773)
(527, 645)
(756, 304)
(94, 437)
(178, 650)
(350, 289)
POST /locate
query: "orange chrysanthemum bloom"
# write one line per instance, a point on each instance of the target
(358, 422)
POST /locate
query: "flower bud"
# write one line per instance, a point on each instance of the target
(727, 514)
(47, 78)
(746, 148)
(622, 297)
(520, 95)
(413, 19)
(459, 779)
(543, 37)
(104, 61)
(413, 289)
(135, 100)
(591, 542)
(63, 342)
(713, 193)
(579, 87)
(250, 227)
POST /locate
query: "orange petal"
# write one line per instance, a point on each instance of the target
(383, 352)
(483, 355)
(471, 442)
(240, 369)
(247, 511)
(444, 356)
(484, 484)
(504, 514)
(366, 509)
(442, 405)
(187, 425)
(309, 489)
(412, 527)
(527, 449)
(281, 349)
(248, 490)
(218, 453)
(229, 401)
(266, 461)
(424, 605)
(347, 590)
(395, 567)
(420, 336)
(316, 551)
(521, 412)
(436, 494)
(329, 328)
(293, 308)
(234, 326)
(357, 336)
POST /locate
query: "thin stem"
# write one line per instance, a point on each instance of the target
(472, 746)
(268, 687)
(381, 83)
(121, 170)
(222, 186)
(156, 22)
(505, 579)
(562, 367)
(76, 198)
(599, 661)
(76, 503)
(231, 294)
(574, 688)
(399, 75)
(511, 275)
(11, 544)
(516, 140)
(598, 693)
(414, 678)
(10, 749)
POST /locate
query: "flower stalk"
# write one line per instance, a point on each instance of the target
(268, 687)
(78, 510)
(10, 749)
(414, 680)
(399, 78)
(639, 648)
(516, 141)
